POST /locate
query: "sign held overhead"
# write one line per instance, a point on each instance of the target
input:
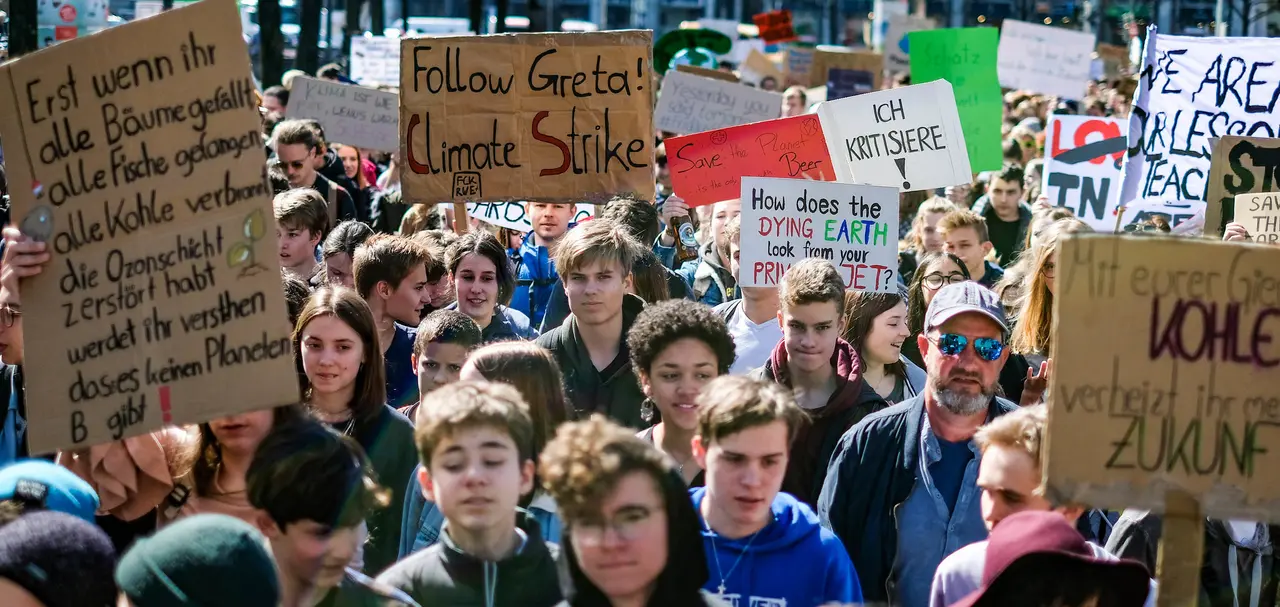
(692, 104)
(352, 115)
(1043, 59)
(1084, 156)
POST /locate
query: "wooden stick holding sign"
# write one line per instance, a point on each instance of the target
(1181, 551)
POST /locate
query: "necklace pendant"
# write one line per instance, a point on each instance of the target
(721, 589)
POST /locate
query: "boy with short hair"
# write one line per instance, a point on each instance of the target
(1005, 213)
(965, 235)
(744, 429)
(300, 224)
(390, 273)
(595, 259)
(445, 339)
(300, 152)
(314, 490)
(476, 444)
(753, 319)
(822, 369)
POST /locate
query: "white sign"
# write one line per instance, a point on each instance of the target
(853, 226)
(908, 138)
(728, 27)
(511, 215)
(1084, 159)
(883, 12)
(1048, 60)
(1197, 89)
(353, 115)
(375, 60)
(693, 104)
(896, 51)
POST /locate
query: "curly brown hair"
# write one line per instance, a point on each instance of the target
(585, 461)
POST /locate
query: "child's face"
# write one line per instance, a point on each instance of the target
(313, 553)
(477, 478)
(337, 269)
(297, 246)
(963, 243)
(595, 291)
(439, 364)
(331, 354)
(405, 303)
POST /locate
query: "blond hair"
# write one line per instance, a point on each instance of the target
(733, 403)
(586, 459)
(1033, 332)
(464, 405)
(961, 218)
(598, 240)
(934, 205)
(1022, 430)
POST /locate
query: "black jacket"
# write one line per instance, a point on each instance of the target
(558, 304)
(871, 474)
(617, 396)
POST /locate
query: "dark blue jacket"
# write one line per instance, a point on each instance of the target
(870, 475)
(507, 324)
(535, 278)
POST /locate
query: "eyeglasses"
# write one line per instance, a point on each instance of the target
(1048, 270)
(628, 524)
(8, 315)
(952, 344)
(937, 280)
(296, 164)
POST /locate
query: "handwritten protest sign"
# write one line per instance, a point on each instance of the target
(1115, 59)
(1260, 215)
(375, 60)
(1182, 397)
(1196, 89)
(707, 167)
(908, 138)
(966, 58)
(513, 215)
(706, 73)
(775, 26)
(354, 115)
(799, 65)
(851, 225)
(692, 104)
(825, 60)
(1084, 156)
(162, 303)
(897, 48)
(1048, 60)
(843, 83)
(1241, 165)
(759, 66)
(549, 117)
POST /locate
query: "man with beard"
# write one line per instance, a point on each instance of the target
(901, 490)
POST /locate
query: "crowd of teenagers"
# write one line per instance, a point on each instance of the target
(593, 414)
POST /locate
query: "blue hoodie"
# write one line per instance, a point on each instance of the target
(535, 278)
(793, 561)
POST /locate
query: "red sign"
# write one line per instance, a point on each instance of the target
(708, 167)
(67, 12)
(775, 27)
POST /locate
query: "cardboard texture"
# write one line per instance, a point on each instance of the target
(708, 167)
(353, 115)
(759, 66)
(548, 117)
(375, 60)
(799, 64)
(775, 26)
(1044, 59)
(1084, 156)
(706, 73)
(512, 215)
(162, 303)
(787, 220)
(1115, 59)
(1241, 165)
(966, 57)
(907, 138)
(1165, 362)
(692, 104)
(866, 61)
(1260, 215)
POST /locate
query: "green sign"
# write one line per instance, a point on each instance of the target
(965, 57)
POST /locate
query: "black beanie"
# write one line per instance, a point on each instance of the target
(60, 559)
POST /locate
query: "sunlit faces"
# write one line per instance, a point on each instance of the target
(1009, 480)
(331, 354)
(11, 344)
(744, 473)
(439, 364)
(243, 433)
(272, 104)
(476, 281)
(350, 160)
(939, 274)
(964, 243)
(1005, 196)
(927, 232)
(406, 301)
(625, 550)
(883, 344)
(810, 332)
(297, 247)
(337, 270)
(792, 103)
(595, 291)
(550, 221)
(675, 378)
(724, 211)
(477, 478)
(735, 258)
(313, 553)
(963, 383)
(298, 163)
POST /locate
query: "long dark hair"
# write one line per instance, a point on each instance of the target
(484, 244)
(915, 293)
(861, 308)
(347, 306)
(203, 456)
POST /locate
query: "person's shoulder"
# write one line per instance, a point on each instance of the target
(394, 419)
(888, 418)
(554, 339)
(423, 568)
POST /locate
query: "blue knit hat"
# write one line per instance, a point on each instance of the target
(41, 484)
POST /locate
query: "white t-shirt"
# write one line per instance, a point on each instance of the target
(754, 343)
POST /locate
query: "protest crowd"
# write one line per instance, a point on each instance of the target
(696, 383)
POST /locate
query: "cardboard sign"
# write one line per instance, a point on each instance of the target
(1241, 165)
(512, 215)
(1084, 159)
(775, 26)
(1166, 359)
(853, 226)
(1193, 90)
(707, 167)
(908, 138)
(706, 73)
(865, 61)
(966, 58)
(353, 115)
(843, 83)
(548, 117)
(692, 104)
(758, 66)
(1260, 215)
(162, 303)
(375, 60)
(799, 65)
(1043, 59)
(1115, 60)
(897, 47)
